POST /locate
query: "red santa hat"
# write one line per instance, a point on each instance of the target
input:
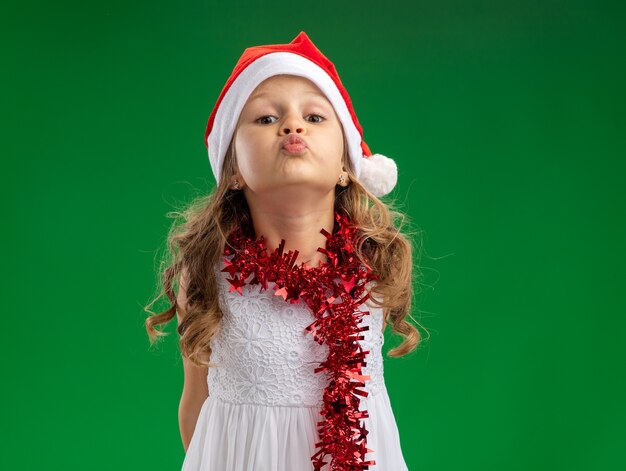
(377, 173)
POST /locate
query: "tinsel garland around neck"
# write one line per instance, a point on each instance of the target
(333, 291)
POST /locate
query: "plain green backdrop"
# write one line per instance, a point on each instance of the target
(507, 122)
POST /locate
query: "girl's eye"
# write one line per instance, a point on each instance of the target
(262, 118)
(319, 116)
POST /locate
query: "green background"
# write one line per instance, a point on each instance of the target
(507, 122)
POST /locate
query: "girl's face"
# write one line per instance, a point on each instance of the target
(279, 106)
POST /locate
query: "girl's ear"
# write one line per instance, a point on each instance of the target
(343, 179)
(237, 183)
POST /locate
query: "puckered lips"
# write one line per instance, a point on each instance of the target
(293, 144)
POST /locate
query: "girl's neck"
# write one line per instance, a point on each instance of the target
(300, 230)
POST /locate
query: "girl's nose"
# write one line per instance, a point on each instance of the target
(288, 130)
(292, 122)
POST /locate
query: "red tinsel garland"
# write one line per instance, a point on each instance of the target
(342, 435)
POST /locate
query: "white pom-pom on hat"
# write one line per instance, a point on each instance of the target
(379, 174)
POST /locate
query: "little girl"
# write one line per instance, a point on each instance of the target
(288, 273)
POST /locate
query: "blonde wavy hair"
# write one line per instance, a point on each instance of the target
(198, 236)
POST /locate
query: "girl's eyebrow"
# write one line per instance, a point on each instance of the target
(267, 94)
